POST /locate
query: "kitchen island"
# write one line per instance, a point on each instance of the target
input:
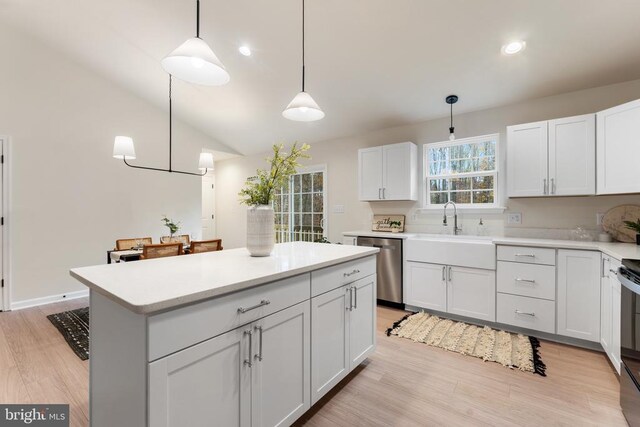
(222, 338)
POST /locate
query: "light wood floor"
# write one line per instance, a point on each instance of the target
(403, 384)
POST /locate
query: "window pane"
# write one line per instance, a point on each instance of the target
(437, 168)
(437, 154)
(297, 221)
(306, 220)
(306, 203)
(439, 198)
(484, 164)
(317, 202)
(483, 196)
(277, 204)
(460, 183)
(483, 182)
(285, 203)
(317, 221)
(306, 183)
(318, 181)
(296, 203)
(296, 183)
(285, 220)
(461, 196)
(438, 184)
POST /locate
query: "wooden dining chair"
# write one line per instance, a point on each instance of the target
(182, 238)
(205, 246)
(161, 250)
(125, 244)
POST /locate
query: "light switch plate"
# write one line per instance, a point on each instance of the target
(338, 208)
(514, 218)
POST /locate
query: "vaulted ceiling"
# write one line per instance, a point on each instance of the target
(371, 64)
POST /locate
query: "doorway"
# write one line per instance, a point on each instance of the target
(208, 207)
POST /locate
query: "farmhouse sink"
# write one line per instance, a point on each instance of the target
(464, 251)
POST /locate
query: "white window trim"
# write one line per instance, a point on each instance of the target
(467, 207)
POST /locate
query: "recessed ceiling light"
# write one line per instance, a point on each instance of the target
(244, 50)
(513, 47)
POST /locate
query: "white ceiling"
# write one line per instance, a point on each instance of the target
(371, 64)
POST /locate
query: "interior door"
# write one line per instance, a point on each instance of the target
(281, 381)
(370, 173)
(208, 207)
(362, 320)
(209, 381)
(527, 164)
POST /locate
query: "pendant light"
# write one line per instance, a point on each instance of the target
(303, 108)
(194, 61)
(451, 99)
(123, 149)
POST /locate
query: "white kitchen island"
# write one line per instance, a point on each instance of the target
(225, 339)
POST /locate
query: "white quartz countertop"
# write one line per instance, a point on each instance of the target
(154, 285)
(383, 234)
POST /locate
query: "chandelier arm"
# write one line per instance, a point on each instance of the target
(164, 170)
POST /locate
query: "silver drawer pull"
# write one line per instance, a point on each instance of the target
(525, 313)
(518, 279)
(262, 303)
(355, 271)
(527, 255)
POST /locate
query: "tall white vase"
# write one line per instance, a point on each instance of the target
(261, 233)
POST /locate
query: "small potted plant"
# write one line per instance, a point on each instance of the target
(172, 226)
(395, 226)
(258, 194)
(635, 226)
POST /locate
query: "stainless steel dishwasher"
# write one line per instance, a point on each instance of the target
(389, 268)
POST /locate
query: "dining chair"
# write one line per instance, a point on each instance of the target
(182, 238)
(161, 250)
(206, 246)
(125, 244)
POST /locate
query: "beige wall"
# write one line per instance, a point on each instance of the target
(70, 198)
(340, 156)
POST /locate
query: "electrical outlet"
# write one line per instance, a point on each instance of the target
(338, 209)
(599, 217)
(514, 218)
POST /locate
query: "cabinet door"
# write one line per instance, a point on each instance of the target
(579, 294)
(527, 160)
(572, 156)
(281, 386)
(472, 292)
(210, 379)
(349, 240)
(616, 301)
(362, 320)
(370, 173)
(618, 133)
(399, 171)
(427, 286)
(605, 307)
(330, 345)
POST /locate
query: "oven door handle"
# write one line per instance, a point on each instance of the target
(633, 287)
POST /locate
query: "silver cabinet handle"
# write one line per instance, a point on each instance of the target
(384, 196)
(449, 273)
(355, 271)
(613, 271)
(379, 193)
(544, 185)
(350, 300)
(525, 313)
(444, 269)
(262, 303)
(518, 279)
(526, 255)
(259, 355)
(355, 298)
(553, 186)
(247, 361)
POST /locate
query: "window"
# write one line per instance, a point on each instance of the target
(300, 207)
(464, 171)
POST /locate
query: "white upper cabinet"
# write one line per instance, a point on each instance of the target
(572, 156)
(527, 165)
(554, 158)
(388, 172)
(618, 149)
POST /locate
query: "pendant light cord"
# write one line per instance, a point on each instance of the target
(302, 45)
(198, 18)
(451, 105)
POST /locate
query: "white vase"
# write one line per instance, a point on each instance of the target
(261, 235)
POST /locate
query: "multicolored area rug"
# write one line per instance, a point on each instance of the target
(511, 350)
(74, 327)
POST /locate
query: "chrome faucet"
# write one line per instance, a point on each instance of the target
(456, 230)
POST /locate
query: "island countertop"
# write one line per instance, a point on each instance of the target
(159, 284)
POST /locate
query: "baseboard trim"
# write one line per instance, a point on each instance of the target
(19, 305)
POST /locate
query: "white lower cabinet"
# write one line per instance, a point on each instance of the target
(610, 310)
(344, 325)
(526, 312)
(469, 292)
(579, 294)
(255, 375)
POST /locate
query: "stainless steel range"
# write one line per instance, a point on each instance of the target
(629, 276)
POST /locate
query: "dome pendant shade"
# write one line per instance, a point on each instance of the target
(123, 148)
(303, 109)
(194, 61)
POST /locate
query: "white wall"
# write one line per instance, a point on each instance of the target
(341, 159)
(70, 198)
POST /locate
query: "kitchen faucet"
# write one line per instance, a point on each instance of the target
(456, 230)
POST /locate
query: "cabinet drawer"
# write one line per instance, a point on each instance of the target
(335, 276)
(175, 330)
(527, 254)
(525, 312)
(529, 280)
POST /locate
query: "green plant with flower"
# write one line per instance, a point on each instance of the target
(260, 189)
(171, 225)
